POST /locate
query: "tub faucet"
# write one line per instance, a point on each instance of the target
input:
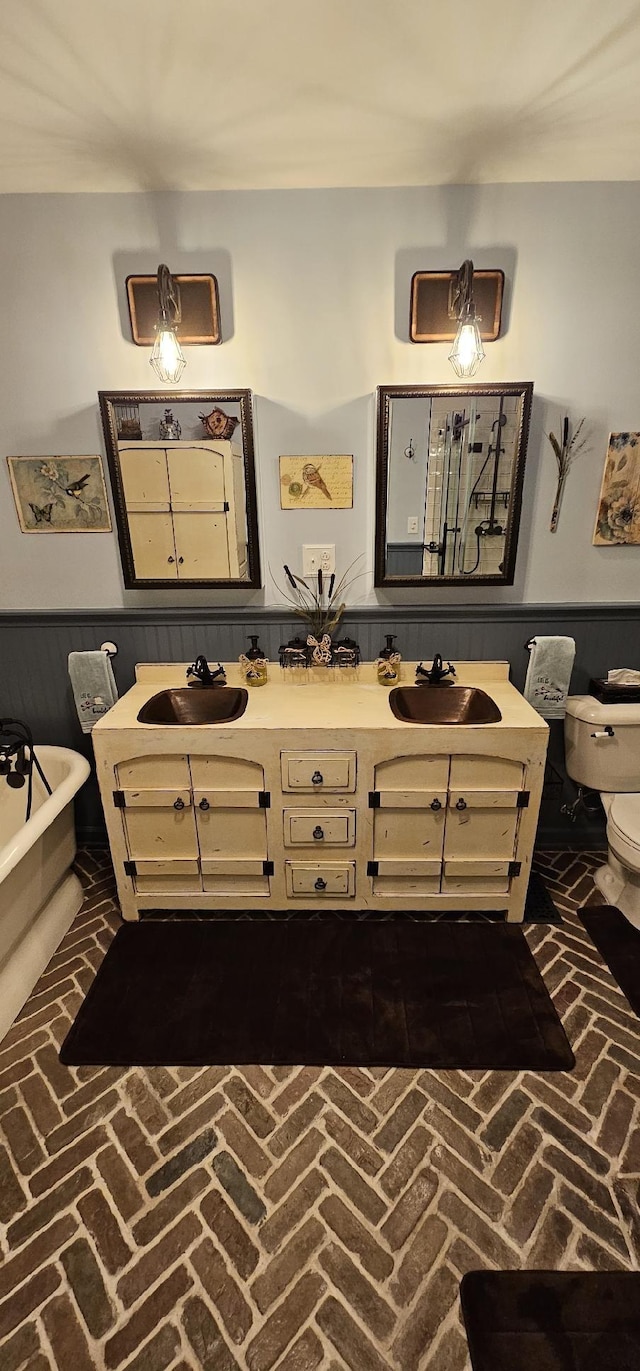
(435, 674)
(203, 673)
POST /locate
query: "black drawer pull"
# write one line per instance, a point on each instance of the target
(180, 560)
(461, 804)
(204, 804)
(178, 804)
(320, 884)
(318, 832)
(317, 778)
(170, 559)
(435, 804)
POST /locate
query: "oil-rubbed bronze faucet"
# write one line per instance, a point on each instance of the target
(203, 673)
(436, 673)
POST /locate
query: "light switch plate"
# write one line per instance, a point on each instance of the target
(318, 557)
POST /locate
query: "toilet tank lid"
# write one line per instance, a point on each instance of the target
(625, 814)
(591, 711)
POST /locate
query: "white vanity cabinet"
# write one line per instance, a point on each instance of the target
(318, 795)
(185, 509)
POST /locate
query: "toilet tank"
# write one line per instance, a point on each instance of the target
(602, 744)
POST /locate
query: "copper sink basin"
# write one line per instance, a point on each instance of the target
(195, 705)
(443, 704)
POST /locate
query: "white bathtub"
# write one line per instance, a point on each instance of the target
(39, 894)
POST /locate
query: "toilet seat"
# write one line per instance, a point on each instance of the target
(623, 828)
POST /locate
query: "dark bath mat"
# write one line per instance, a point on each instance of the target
(287, 993)
(619, 943)
(539, 907)
(552, 1320)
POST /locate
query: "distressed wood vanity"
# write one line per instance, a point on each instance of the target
(318, 795)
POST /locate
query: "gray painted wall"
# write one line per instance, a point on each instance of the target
(33, 663)
(315, 303)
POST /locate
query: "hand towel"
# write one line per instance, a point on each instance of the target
(549, 674)
(93, 684)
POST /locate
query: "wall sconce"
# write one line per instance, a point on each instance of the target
(167, 358)
(467, 352)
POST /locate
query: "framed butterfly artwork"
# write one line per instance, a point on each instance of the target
(60, 494)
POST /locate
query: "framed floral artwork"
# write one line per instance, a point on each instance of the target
(60, 494)
(618, 517)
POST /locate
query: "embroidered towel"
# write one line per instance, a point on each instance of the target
(549, 674)
(93, 685)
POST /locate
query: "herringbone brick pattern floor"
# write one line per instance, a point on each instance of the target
(298, 1218)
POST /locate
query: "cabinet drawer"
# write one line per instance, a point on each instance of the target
(319, 771)
(319, 827)
(321, 878)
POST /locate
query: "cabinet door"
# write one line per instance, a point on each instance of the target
(410, 800)
(144, 477)
(196, 477)
(481, 825)
(228, 797)
(155, 798)
(153, 547)
(201, 545)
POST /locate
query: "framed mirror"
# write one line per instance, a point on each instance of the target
(184, 491)
(449, 473)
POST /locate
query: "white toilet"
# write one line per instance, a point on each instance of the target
(602, 749)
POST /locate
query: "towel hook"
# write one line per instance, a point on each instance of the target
(531, 644)
(110, 649)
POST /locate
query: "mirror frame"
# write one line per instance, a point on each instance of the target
(108, 399)
(385, 394)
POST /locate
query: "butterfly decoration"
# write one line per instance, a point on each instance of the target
(42, 513)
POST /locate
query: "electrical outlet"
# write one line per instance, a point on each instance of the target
(318, 557)
(412, 524)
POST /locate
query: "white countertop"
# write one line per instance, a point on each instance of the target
(322, 699)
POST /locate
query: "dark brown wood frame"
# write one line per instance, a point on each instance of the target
(184, 332)
(489, 328)
(385, 394)
(109, 398)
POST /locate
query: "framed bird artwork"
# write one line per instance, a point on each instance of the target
(60, 494)
(316, 482)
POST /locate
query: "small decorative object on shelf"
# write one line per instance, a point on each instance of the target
(319, 603)
(565, 455)
(127, 417)
(169, 427)
(217, 424)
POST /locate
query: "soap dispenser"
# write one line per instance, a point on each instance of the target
(388, 662)
(254, 663)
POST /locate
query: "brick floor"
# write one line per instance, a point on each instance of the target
(290, 1218)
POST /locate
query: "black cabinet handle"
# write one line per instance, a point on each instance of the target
(435, 804)
(180, 560)
(170, 559)
(461, 804)
(204, 804)
(320, 884)
(318, 832)
(317, 778)
(178, 804)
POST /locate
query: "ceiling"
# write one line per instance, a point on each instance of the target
(118, 95)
